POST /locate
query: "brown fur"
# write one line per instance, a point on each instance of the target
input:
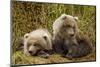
(19, 44)
(67, 40)
(36, 42)
(82, 48)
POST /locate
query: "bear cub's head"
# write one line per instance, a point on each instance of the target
(66, 25)
(37, 41)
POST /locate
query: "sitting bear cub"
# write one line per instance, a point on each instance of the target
(67, 39)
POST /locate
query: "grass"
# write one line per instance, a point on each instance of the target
(21, 59)
(27, 16)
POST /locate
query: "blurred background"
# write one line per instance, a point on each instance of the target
(28, 16)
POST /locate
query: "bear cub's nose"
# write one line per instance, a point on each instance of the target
(30, 52)
(71, 35)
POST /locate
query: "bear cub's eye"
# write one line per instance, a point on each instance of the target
(35, 44)
(73, 27)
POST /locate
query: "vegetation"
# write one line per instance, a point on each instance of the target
(27, 16)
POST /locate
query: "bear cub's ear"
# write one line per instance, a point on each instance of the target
(64, 17)
(76, 18)
(26, 35)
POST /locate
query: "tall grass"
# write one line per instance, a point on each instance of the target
(27, 16)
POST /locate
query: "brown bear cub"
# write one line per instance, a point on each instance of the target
(36, 43)
(67, 40)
